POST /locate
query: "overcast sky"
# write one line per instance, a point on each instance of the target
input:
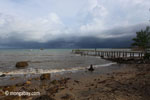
(46, 21)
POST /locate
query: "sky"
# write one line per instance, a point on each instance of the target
(71, 23)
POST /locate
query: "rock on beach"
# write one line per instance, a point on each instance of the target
(22, 64)
(46, 76)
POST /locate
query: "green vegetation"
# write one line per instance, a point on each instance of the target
(142, 41)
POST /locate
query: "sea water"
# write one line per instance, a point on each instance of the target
(46, 61)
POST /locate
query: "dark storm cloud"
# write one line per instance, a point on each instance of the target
(84, 42)
(123, 40)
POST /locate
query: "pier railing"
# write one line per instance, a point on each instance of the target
(110, 53)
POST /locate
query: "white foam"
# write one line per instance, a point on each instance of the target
(41, 71)
(1, 73)
(104, 65)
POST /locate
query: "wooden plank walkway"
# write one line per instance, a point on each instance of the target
(110, 53)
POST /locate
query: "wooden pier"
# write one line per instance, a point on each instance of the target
(116, 53)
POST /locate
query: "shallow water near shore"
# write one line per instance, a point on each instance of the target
(12, 79)
(55, 61)
(43, 61)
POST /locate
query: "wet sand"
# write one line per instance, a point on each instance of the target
(119, 82)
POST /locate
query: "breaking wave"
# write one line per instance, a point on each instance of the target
(41, 71)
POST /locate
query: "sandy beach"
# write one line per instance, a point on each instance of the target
(126, 82)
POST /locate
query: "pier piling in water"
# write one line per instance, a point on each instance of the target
(110, 53)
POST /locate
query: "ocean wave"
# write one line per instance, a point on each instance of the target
(104, 65)
(42, 71)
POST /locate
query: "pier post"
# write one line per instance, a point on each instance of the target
(110, 53)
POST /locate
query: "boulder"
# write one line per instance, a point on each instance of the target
(67, 97)
(12, 78)
(2, 93)
(21, 64)
(3, 75)
(46, 76)
(28, 82)
(9, 88)
(44, 97)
